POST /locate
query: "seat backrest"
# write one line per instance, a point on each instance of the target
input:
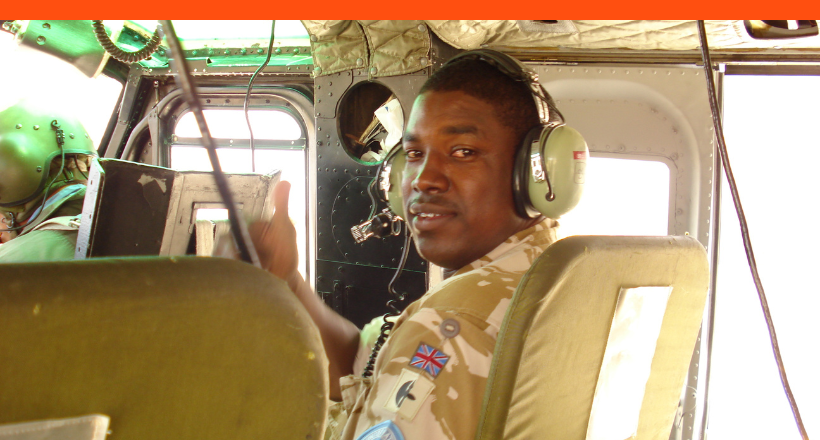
(169, 348)
(547, 381)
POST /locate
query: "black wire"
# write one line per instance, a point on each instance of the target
(248, 94)
(744, 227)
(392, 305)
(373, 202)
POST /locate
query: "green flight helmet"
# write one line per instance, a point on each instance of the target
(31, 136)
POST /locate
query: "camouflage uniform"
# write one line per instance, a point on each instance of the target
(430, 375)
(52, 235)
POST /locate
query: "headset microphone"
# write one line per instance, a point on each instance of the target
(381, 225)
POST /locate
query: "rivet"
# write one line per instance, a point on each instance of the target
(18, 126)
(277, 51)
(330, 94)
(243, 51)
(227, 52)
(314, 38)
(423, 61)
(317, 70)
(193, 53)
(318, 100)
(260, 51)
(318, 128)
(359, 62)
(71, 135)
(318, 143)
(36, 127)
(39, 169)
(373, 70)
(41, 40)
(422, 28)
(318, 114)
(296, 51)
(46, 26)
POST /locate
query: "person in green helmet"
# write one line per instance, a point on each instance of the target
(45, 155)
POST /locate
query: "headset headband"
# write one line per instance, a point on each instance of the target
(547, 111)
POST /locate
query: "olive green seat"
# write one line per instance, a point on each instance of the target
(548, 358)
(170, 348)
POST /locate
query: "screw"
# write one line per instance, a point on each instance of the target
(422, 28)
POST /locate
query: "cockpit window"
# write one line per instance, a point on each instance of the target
(279, 144)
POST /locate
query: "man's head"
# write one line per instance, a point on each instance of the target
(39, 147)
(464, 130)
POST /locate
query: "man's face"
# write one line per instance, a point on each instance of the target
(457, 184)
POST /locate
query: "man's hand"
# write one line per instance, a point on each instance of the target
(275, 240)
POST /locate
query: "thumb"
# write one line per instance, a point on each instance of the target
(281, 194)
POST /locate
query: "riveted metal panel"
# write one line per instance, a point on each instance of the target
(342, 202)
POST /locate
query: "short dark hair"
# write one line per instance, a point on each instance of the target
(512, 100)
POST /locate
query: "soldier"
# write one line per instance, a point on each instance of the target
(463, 133)
(44, 161)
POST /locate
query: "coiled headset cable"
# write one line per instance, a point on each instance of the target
(392, 304)
(122, 55)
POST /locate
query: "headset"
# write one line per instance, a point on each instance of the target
(550, 165)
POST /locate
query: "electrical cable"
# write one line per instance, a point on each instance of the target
(384, 332)
(744, 227)
(248, 94)
(121, 55)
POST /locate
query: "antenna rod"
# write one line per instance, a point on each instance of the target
(186, 81)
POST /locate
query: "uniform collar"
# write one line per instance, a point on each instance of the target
(541, 234)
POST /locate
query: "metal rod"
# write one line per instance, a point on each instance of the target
(744, 227)
(239, 229)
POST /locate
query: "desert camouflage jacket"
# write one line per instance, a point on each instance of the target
(430, 375)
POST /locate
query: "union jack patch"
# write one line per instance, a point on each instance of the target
(429, 359)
